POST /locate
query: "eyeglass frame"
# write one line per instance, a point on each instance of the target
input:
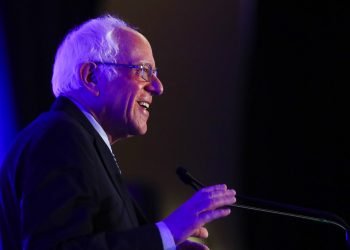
(143, 67)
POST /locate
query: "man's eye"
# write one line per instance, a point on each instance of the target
(139, 70)
(146, 69)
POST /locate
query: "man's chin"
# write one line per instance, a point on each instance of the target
(130, 132)
(138, 131)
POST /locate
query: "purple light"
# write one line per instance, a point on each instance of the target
(7, 115)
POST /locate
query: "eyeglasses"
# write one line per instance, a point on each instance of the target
(145, 70)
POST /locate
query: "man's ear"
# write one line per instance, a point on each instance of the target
(86, 73)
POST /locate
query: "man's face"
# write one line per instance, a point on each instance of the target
(126, 98)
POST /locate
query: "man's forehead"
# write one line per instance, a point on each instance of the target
(126, 35)
(132, 45)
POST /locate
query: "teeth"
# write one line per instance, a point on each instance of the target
(144, 104)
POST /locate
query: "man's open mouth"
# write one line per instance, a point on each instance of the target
(145, 105)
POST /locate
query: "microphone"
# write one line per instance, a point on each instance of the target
(272, 207)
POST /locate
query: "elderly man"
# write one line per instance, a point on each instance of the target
(60, 185)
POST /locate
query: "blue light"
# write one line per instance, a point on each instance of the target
(7, 114)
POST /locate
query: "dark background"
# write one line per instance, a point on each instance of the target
(256, 96)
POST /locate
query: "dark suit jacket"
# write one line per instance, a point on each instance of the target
(60, 189)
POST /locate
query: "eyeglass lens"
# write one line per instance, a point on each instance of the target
(147, 72)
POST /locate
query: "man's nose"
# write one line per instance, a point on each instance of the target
(155, 86)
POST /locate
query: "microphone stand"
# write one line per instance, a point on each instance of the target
(272, 207)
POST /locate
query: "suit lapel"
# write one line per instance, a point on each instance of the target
(112, 169)
(139, 213)
(106, 156)
(109, 164)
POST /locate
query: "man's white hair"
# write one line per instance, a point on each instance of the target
(91, 41)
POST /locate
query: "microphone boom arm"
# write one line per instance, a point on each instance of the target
(333, 219)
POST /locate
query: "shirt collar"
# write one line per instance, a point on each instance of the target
(93, 122)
